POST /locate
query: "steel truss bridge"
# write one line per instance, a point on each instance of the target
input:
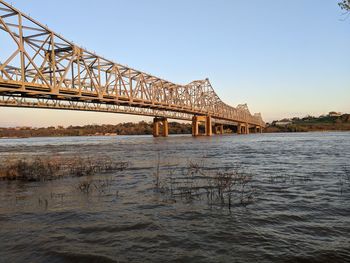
(41, 69)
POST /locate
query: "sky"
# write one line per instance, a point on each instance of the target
(282, 58)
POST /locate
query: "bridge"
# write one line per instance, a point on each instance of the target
(41, 69)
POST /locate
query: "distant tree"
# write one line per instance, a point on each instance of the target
(345, 5)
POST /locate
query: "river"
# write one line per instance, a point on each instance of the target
(300, 211)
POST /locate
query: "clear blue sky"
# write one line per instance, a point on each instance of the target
(283, 58)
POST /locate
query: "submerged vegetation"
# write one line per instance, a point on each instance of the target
(225, 188)
(344, 180)
(193, 182)
(100, 186)
(50, 168)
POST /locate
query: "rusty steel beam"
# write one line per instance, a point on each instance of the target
(44, 70)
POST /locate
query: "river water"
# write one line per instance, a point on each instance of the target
(300, 211)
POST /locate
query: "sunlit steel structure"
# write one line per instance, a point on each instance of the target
(41, 69)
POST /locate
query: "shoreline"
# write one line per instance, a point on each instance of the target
(150, 135)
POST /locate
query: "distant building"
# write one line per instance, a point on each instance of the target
(334, 114)
(282, 123)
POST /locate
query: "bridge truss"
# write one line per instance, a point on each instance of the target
(41, 69)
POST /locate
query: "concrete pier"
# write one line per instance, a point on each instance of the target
(219, 129)
(206, 120)
(160, 123)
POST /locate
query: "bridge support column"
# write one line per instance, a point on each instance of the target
(258, 129)
(243, 128)
(156, 127)
(219, 129)
(196, 120)
(165, 128)
(240, 129)
(208, 127)
(195, 126)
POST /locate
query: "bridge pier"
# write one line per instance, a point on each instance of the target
(243, 128)
(208, 127)
(246, 128)
(258, 129)
(157, 122)
(219, 129)
(239, 128)
(196, 120)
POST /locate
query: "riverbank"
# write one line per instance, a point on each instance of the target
(307, 124)
(140, 128)
(330, 122)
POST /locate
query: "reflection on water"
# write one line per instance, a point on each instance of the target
(301, 211)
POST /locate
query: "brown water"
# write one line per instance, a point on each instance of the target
(300, 213)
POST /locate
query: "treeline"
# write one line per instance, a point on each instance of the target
(311, 123)
(129, 128)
